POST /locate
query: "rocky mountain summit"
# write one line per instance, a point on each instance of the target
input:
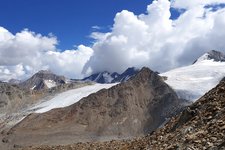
(133, 108)
(199, 126)
(44, 79)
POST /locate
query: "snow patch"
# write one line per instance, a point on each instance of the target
(50, 83)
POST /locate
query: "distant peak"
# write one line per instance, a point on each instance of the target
(212, 55)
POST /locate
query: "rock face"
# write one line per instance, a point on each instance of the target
(132, 108)
(199, 126)
(106, 77)
(43, 80)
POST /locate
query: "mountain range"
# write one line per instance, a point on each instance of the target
(106, 77)
(48, 109)
(133, 108)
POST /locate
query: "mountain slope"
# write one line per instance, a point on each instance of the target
(191, 82)
(132, 108)
(200, 126)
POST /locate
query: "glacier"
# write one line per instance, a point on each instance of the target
(193, 81)
(68, 98)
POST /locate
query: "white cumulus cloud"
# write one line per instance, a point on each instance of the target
(155, 40)
(26, 52)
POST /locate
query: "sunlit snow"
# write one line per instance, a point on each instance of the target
(192, 82)
(69, 97)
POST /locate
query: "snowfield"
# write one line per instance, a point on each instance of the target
(192, 82)
(69, 97)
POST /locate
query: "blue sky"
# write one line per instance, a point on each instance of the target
(139, 37)
(70, 20)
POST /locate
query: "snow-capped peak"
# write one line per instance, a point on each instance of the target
(212, 55)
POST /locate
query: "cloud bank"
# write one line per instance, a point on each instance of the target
(26, 52)
(151, 39)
